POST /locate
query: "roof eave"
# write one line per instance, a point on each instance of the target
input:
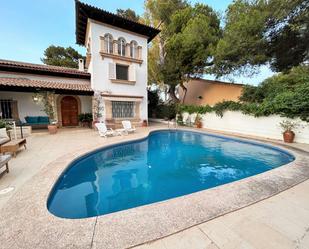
(80, 31)
(41, 71)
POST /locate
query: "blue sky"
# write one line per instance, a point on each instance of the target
(28, 27)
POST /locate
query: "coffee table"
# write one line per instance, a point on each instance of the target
(13, 146)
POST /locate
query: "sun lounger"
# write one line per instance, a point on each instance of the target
(103, 131)
(4, 161)
(127, 126)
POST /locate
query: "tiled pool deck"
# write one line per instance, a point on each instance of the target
(281, 221)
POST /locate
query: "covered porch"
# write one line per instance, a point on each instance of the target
(19, 102)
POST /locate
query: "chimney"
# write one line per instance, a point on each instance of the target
(81, 66)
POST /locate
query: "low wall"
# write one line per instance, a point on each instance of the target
(266, 127)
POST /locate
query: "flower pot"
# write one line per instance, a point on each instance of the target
(288, 136)
(198, 124)
(94, 122)
(144, 124)
(52, 129)
(86, 124)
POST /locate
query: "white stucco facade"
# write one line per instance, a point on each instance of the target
(99, 66)
(112, 84)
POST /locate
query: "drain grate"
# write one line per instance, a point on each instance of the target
(6, 190)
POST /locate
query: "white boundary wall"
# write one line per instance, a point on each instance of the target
(266, 127)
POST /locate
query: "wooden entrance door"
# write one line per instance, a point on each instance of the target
(69, 111)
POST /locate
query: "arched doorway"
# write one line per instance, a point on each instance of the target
(69, 111)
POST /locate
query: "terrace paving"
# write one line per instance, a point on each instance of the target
(281, 221)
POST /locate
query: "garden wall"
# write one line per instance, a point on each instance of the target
(266, 127)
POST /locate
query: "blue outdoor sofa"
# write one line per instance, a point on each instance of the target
(37, 122)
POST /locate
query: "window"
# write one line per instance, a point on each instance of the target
(6, 108)
(122, 109)
(122, 72)
(108, 43)
(133, 49)
(122, 46)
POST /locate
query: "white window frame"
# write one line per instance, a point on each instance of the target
(133, 49)
(108, 39)
(122, 46)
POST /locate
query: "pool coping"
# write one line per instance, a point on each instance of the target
(26, 222)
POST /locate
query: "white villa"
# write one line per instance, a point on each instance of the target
(113, 79)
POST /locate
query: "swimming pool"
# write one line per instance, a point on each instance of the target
(164, 165)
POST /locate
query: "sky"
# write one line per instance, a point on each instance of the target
(28, 27)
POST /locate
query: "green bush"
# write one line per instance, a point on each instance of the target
(166, 111)
(85, 117)
(153, 103)
(286, 95)
(2, 124)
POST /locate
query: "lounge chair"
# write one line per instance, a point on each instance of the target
(4, 161)
(4, 138)
(185, 117)
(103, 131)
(127, 126)
(192, 118)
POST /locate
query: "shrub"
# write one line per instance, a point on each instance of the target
(85, 117)
(166, 111)
(223, 106)
(153, 102)
(2, 124)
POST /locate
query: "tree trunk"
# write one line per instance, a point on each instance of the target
(172, 94)
(161, 51)
(184, 92)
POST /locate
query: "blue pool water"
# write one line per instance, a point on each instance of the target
(165, 165)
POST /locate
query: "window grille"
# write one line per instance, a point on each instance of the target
(6, 108)
(123, 109)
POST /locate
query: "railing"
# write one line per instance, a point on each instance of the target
(172, 124)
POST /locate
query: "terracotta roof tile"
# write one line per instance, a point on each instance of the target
(41, 67)
(24, 82)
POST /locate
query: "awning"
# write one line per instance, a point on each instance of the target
(113, 97)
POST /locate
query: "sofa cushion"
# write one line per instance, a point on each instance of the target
(3, 140)
(3, 133)
(32, 119)
(43, 119)
(4, 159)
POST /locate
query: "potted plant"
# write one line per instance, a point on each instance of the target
(198, 121)
(47, 98)
(145, 123)
(97, 108)
(287, 127)
(85, 119)
(3, 132)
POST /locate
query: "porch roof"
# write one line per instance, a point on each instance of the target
(19, 84)
(25, 67)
